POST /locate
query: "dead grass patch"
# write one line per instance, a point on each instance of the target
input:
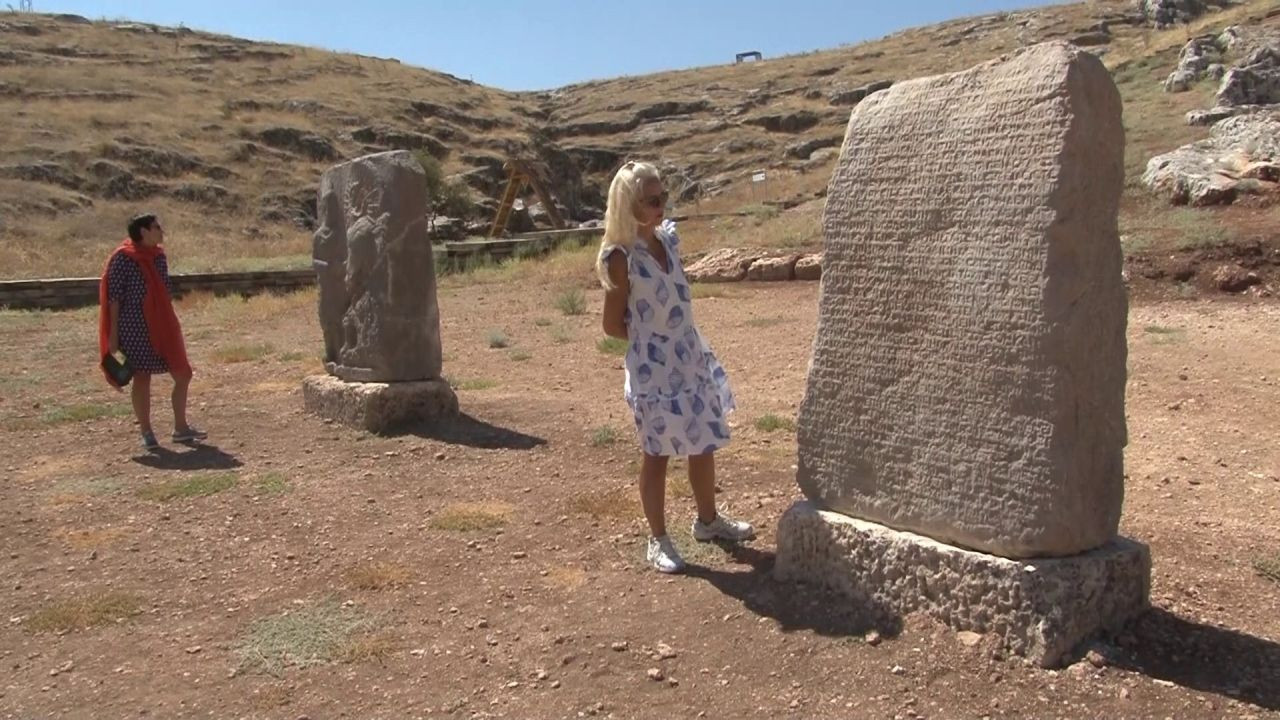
(90, 538)
(472, 517)
(316, 635)
(181, 488)
(565, 578)
(84, 612)
(272, 483)
(620, 503)
(769, 422)
(377, 575)
(82, 412)
(231, 354)
(1268, 566)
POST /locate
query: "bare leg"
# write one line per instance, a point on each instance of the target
(181, 383)
(702, 478)
(653, 493)
(141, 396)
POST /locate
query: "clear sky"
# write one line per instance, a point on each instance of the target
(520, 45)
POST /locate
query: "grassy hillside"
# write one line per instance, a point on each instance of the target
(226, 138)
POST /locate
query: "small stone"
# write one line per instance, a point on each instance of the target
(968, 638)
(619, 646)
(655, 674)
(673, 682)
(555, 684)
(440, 456)
(519, 555)
(872, 638)
(194, 649)
(665, 651)
(541, 675)
(898, 670)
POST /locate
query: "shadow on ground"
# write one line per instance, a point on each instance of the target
(469, 431)
(1210, 659)
(197, 456)
(793, 606)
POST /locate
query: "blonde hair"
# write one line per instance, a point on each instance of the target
(620, 223)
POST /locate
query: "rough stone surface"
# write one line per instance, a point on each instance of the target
(1163, 13)
(968, 373)
(377, 280)
(724, 265)
(1193, 63)
(1041, 609)
(809, 267)
(1253, 81)
(1209, 172)
(1233, 278)
(378, 407)
(772, 269)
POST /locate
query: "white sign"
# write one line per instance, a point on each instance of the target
(758, 177)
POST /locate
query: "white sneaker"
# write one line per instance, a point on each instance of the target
(663, 555)
(722, 528)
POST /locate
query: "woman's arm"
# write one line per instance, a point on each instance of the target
(615, 300)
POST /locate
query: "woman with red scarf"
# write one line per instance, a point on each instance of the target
(138, 319)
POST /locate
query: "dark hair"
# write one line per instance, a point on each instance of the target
(140, 223)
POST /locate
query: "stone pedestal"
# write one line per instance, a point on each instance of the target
(1039, 608)
(378, 407)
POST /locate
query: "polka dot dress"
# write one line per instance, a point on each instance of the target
(126, 284)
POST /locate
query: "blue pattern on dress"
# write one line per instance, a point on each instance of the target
(672, 376)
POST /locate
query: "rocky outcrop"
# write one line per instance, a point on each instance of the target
(1241, 154)
(300, 142)
(738, 264)
(1163, 13)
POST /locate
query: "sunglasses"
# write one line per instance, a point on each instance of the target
(656, 201)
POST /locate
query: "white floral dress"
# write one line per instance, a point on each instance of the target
(677, 389)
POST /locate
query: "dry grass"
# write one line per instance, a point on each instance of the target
(565, 578)
(571, 302)
(91, 538)
(272, 483)
(678, 487)
(242, 353)
(51, 230)
(377, 575)
(615, 504)
(498, 340)
(612, 346)
(603, 436)
(192, 487)
(82, 412)
(1268, 566)
(472, 517)
(81, 613)
(770, 422)
(314, 635)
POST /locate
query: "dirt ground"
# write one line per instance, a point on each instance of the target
(495, 568)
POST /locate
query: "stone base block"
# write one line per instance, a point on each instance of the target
(378, 407)
(1039, 608)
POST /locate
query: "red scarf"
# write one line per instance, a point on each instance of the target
(163, 329)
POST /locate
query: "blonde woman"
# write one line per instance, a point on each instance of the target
(677, 390)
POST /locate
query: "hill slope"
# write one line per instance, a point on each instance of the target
(227, 137)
